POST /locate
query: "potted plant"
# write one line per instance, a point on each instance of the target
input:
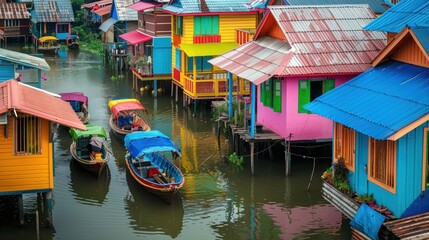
(328, 175)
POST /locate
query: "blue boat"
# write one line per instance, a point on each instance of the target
(150, 165)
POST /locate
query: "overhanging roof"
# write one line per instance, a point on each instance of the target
(36, 102)
(207, 49)
(385, 102)
(107, 24)
(256, 60)
(24, 59)
(141, 6)
(135, 37)
(103, 10)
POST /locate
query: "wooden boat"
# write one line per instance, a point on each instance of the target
(89, 148)
(127, 116)
(148, 164)
(48, 44)
(79, 103)
(73, 42)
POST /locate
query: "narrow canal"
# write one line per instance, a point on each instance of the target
(217, 200)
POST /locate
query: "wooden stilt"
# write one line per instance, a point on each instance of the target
(21, 210)
(48, 206)
(172, 89)
(252, 152)
(287, 158)
(177, 93)
(270, 151)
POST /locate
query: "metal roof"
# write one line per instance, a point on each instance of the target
(107, 24)
(52, 11)
(422, 34)
(406, 12)
(256, 60)
(24, 59)
(123, 12)
(13, 11)
(101, 3)
(135, 37)
(34, 101)
(376, 5)
(103, 10)
(380, 101)
(328, 39)
(207, 6)
(141, 5)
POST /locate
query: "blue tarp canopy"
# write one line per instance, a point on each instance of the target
(367, 221)
(140, 143)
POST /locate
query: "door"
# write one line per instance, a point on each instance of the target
(361, 157)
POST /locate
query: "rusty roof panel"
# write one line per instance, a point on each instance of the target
(53, 11)
(13, 11)
(124, 12)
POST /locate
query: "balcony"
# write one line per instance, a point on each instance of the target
(211, 85)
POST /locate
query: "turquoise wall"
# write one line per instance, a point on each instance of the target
(161, 55)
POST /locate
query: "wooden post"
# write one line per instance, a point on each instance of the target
(177, 93)
(252, 152)
(270, 150)
(48, 203)
(287, 157)
(20, 210)
(172, 88)
(155, 88)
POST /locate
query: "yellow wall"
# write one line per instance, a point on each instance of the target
(229, 23)
(25, 173)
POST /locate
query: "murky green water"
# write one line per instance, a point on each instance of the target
(216, 202)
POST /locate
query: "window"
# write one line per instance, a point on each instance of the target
(202, 64)
(271, 94)
(382, 163)
(63, 28)
(11, 22)
(178, 26)
(345, 145)
(27, 135)
(206, 25)
(178, 59)
(308, 90)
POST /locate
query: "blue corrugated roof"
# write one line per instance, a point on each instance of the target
(406, 12)
(422, 34)
(52, 11)
(375, 5)
(378, 102)
(216, 6)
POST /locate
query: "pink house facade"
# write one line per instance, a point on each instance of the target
(297, 54)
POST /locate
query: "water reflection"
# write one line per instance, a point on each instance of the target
(149, 214)
(86, 188)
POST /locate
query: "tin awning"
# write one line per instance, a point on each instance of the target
(103, 10)
(207, 49)
(141, 6)
(135, 37)
(107, 24)
(257, 60)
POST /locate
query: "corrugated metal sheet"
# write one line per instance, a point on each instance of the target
(328, 39)
(107, 24)
(206, 6)
(376, 5)
(411, 12)
(256, 60)
(13, 11)
(141, 6)
(135, 37)
(125, 13)
(103, 10)
(422, 34)
(49, 106)
(380, 101)
(99, 3)
(52, 11)
(24, 59)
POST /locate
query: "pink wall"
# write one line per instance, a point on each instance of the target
(303, 127)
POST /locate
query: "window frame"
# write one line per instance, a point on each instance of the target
(21, 124)
(345, 145)
(389, 164)
(206, 25)
(304, 92)
(271, 93)
(178, 25)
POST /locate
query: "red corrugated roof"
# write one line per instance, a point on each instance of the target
(135, 37)
(323, 40)
(103, 10)
(13, 11)
(30, 100)
(124, 106)
(141, 6)
(99, 3)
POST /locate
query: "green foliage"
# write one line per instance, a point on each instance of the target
(222, 109)
(237, 161)
(340, 170)
(365, 198)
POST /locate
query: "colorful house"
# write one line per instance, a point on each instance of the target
(150, 45)
(15, 65)
(123, 18)
(201, 30)
(14, 20)
(377, 6)
(92, 10)
(297, 54)
(28, 118)
(52, 18)
(381, 117)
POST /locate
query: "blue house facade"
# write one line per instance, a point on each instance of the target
(381, 125)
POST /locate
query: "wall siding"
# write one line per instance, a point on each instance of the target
(411, 53)
(229, 23)
(162, 54)
(25, 173)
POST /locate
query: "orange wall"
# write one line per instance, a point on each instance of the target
(25, 173)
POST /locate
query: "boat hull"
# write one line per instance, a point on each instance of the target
(73, 46)
(166, 192)
(95, 167)
(119, 132)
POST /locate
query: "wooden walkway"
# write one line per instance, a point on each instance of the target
(414, 227)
